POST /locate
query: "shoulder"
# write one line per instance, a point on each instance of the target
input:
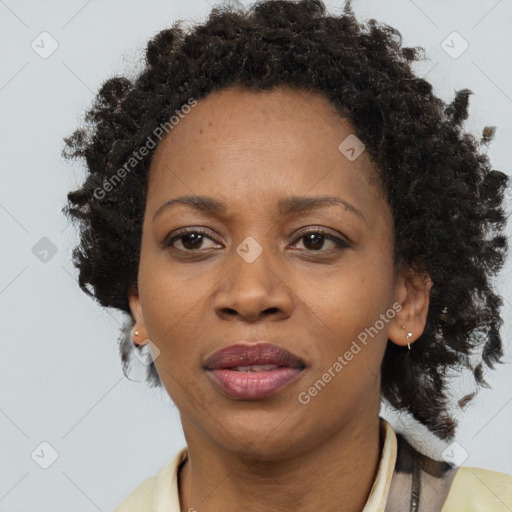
(141, 499)
(159, 491)
(482, 490)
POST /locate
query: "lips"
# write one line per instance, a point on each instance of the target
(241, 355)
(253, 371)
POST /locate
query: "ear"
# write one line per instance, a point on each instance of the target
(412, 292)
(136, 310)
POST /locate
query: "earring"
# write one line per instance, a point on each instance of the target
(139, 357)
(136, 334)
(408, 337)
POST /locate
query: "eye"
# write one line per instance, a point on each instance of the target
(315, 239)
(191, 240)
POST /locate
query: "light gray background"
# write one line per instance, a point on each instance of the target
(61, 378)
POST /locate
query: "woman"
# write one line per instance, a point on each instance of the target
(298, 229)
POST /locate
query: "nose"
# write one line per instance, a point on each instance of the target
(254, 291)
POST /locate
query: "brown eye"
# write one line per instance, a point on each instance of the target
(191, 240)
(314, 240)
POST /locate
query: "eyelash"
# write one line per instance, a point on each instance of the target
(340, 243)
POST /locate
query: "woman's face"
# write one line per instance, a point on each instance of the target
(256, 275)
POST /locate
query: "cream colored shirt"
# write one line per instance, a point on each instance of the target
(473, 489)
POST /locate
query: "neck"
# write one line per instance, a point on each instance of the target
(335, 475)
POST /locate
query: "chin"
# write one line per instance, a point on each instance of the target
(265, 439)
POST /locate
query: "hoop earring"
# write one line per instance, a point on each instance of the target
(408, 337)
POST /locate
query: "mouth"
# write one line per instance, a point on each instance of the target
(251, 372)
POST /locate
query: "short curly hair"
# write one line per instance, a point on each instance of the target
(447, 202)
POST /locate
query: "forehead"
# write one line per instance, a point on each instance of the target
(241, 143)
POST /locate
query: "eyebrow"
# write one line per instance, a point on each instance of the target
(287, 206)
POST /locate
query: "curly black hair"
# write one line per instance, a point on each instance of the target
(447, 202)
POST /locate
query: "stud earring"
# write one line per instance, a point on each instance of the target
(141, 354)
(135, 334)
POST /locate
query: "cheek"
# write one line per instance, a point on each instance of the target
(348, 315)
(171, 317)
(351, 299)
(175, 307)
(164, 306)
(347, 370)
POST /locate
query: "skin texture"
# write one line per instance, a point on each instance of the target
(249, 150)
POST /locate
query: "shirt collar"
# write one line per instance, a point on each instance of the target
(380, 488)
(166, 496)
